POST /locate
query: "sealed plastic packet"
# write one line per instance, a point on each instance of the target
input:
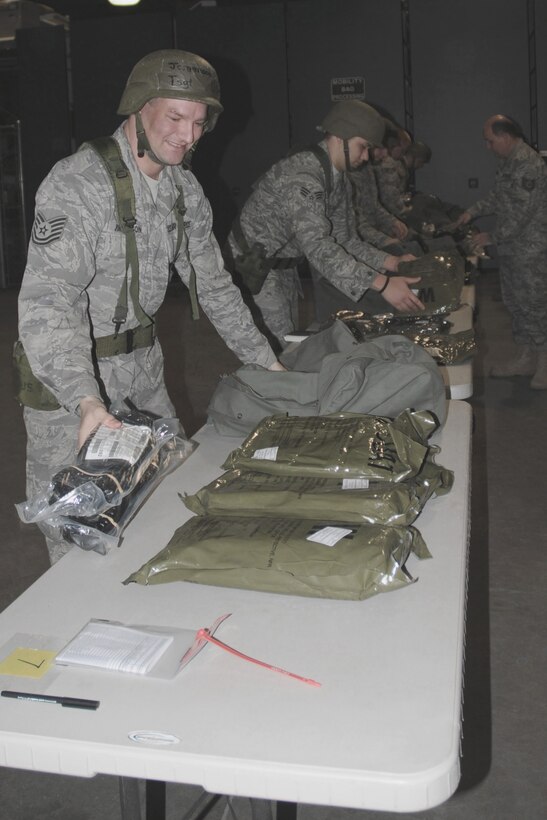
(348, 445)
(354, 500)
(89, 502)
(288, 556)
(430, 332)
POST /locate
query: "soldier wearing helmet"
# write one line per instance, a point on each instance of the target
(392, 173)
(375, 224)
(300, 209)
(97, 274)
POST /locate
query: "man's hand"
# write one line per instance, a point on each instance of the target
(92, 414)
(277, 366)
(463, 219)
(480, 240)
(396, 290)
(391, 263)
(400, 229)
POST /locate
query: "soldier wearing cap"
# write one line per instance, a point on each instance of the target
(86, 342)
(301, 209)
(518, 201)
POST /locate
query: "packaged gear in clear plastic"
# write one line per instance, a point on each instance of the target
(89, 502)
(350, 445)
(247, 493)
(290, 556)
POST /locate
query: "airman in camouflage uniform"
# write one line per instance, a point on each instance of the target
(301, 208)
(375, 224)
(519, 202)
(392, 173)
(77, 261)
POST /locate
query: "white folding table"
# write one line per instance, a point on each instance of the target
(383, 730)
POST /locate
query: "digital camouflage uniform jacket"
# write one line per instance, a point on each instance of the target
(75, 269)
(518, 200)
(392, 181)
(375, 224)
(291, 213)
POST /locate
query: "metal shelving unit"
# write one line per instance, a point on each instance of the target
(13, 234)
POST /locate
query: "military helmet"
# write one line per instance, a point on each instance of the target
(173, 74)
(354, 118)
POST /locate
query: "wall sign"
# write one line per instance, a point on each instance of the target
(347, 88)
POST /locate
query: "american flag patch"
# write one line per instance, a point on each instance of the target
(45, 230)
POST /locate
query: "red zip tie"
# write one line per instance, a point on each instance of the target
(205, 635)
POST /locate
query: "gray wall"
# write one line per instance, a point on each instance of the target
(276, 60)
(468, 61)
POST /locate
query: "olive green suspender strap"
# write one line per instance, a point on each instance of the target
(109, 151)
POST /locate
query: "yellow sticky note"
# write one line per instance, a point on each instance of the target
(28, 663)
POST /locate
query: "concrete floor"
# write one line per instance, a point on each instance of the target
(504, 745)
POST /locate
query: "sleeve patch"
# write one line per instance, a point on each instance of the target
(313, 196)
(45, 230)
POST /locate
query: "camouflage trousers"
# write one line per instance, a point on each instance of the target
(523, 278)
(277, 305)
(52, 435)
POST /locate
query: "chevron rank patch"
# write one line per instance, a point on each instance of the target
(45, 230)
(313, 196)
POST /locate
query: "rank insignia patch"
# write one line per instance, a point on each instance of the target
(45, 231)
(313, 195)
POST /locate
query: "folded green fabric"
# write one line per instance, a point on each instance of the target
(347, 445)
(247, 493)
(291, 556)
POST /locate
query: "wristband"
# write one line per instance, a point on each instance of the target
(384, 286)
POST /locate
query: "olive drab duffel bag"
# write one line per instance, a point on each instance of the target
(332, 372)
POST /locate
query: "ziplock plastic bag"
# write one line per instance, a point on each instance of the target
(246, 493)
(346, 445)
(287, 556)
(89, 502)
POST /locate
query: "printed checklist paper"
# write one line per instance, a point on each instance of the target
(148, 650)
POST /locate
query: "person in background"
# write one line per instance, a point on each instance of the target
(375, 224)
(95, 277)
(392, 173)
(301, 209)
(518, 201)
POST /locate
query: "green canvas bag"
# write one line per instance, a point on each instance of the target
(330, 372)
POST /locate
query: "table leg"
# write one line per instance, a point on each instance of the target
(155, 800)
(130, 803)
(286, 811)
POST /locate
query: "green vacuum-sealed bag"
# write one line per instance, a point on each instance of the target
(290, 556)
(348, 445)
(247, 493)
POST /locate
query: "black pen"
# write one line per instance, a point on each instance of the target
(75, 703)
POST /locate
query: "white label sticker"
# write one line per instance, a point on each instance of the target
(126, 443)
(267, 453)
(355, 483)
(329, 536)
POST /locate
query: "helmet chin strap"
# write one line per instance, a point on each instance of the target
(143, 146)
(346, 155)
